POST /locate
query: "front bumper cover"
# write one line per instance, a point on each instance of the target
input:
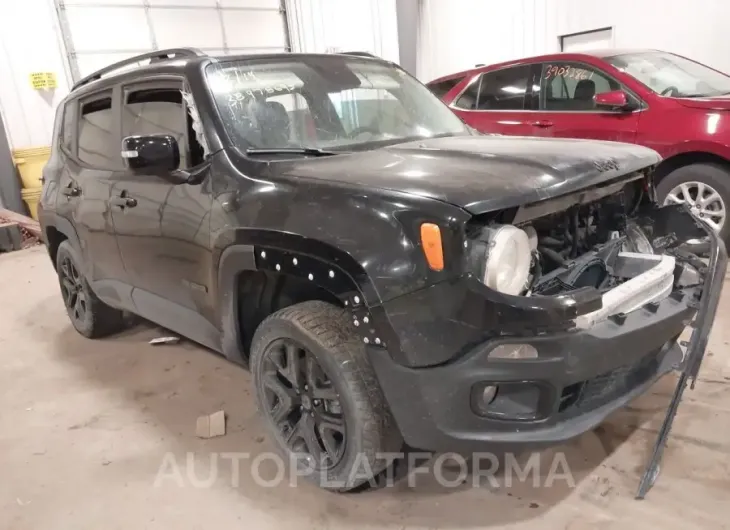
(611, 362)
(432, 406)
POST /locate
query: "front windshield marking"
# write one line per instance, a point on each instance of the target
(671, 75)
(325, 102)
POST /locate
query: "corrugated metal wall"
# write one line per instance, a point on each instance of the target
(457, 34)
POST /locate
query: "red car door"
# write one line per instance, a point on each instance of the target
(494, 101)
(566, 108)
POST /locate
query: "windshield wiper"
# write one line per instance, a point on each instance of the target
(311, 151)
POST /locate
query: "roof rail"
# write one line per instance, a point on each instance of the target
(361, 54)
(155, 56)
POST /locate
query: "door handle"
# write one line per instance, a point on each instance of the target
(71, 191)
(123, 202)
(543, 124)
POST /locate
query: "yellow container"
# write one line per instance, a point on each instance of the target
(31, 196)
(30, 164)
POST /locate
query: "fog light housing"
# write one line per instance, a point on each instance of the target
(508, 400)
(482, 396)
(488, 394)
(513, 351)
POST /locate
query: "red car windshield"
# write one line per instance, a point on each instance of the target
(670, 75)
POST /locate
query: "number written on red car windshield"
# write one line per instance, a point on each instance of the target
(552, 70)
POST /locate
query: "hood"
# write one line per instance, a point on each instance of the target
(482, 173)
(710, 103)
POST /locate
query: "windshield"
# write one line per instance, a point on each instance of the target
(324, 102)
(670, 75)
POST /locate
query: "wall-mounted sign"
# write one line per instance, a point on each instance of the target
(43, 80)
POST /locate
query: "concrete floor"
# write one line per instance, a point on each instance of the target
(85, 426)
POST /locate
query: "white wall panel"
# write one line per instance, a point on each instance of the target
(321, 26)
(91, 62)
(272, 4)
(25, 49)
(193, 3)
(457, 34)
(108, 28)
(259, 29)
(71, 3)
(199, 28)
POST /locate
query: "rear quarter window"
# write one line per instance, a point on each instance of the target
(96, 139)
(441, 88)
(69, 125)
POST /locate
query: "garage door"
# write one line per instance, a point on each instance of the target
(100, 32)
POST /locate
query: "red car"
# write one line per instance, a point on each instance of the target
(677, 106)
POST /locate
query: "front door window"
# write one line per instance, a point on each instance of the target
(570, 87)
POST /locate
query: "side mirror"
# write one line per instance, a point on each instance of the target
(155, 154)
(613, 100)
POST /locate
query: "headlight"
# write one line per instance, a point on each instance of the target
(636, 240)
(504, 264)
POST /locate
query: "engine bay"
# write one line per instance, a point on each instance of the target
(600, 244)
(578, 248)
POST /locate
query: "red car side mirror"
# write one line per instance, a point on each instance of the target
(613, 100)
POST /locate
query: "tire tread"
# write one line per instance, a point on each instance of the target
(331, 327)
(104, 319)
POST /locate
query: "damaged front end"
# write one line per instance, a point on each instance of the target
(604, 252)
(625, 250)
(570, 308)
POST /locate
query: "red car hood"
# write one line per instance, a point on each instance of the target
(712, 103)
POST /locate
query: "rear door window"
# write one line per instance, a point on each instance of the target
(503, 89)
(98, 146)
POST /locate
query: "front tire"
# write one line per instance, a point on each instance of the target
(90, 316)
(320, 397)
(705, 188)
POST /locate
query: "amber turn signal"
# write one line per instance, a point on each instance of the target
(432, 247)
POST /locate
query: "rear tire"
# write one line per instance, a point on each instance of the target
(713, 178)
(90, 316)
(318, 338)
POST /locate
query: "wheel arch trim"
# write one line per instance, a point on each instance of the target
(63, 226)
(691, 153)
(308, 259)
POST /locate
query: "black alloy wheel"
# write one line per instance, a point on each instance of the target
(320, 396)
(89, 315)
(72, 290)
(303, 405)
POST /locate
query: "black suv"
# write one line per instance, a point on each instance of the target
(389, 275)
